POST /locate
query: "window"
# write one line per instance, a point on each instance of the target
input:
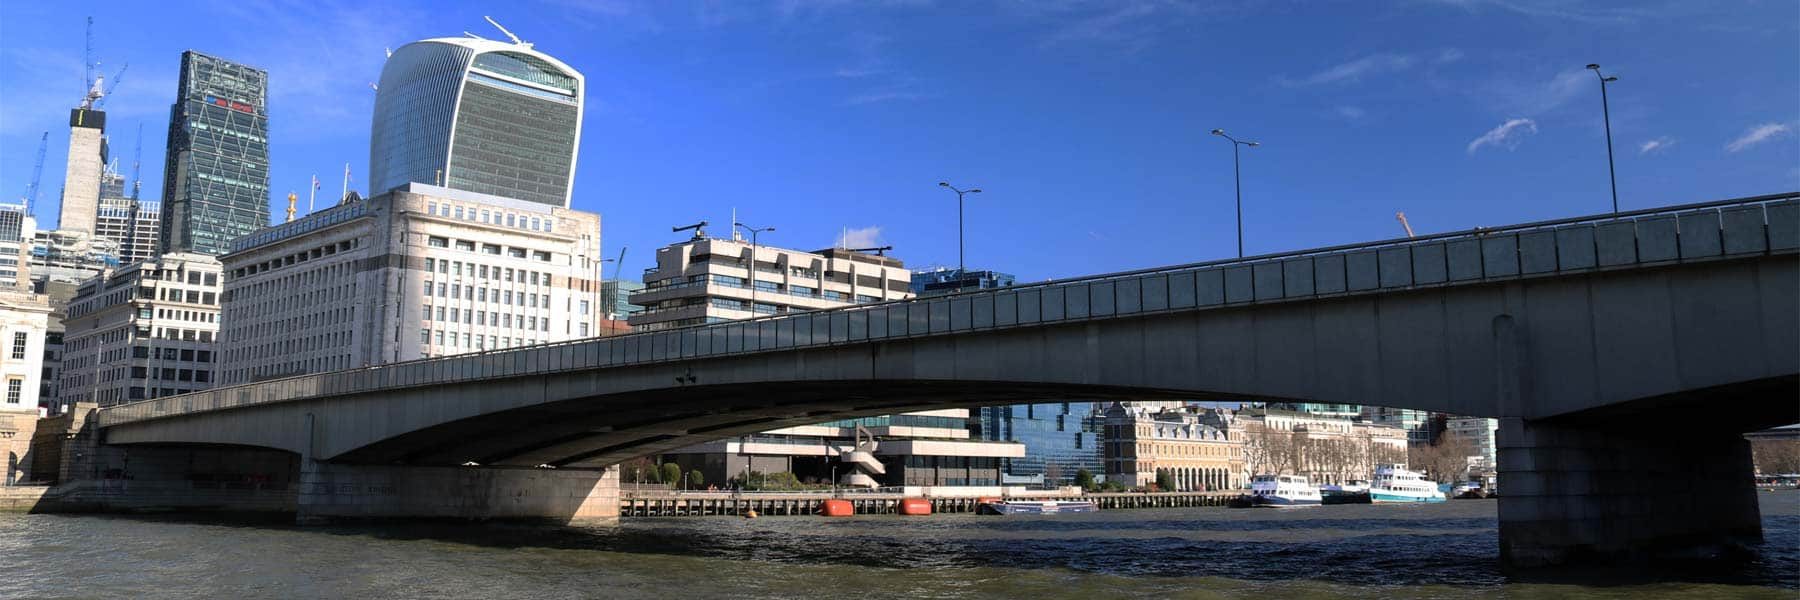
(438, 242)
(490, 249)
(465, 245)
(541, 255)
(515, 252)
(15, 390)
(18, 345)
(583, 310)
(544, 301)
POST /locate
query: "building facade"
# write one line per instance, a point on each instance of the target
(131, 226)
(147, 330)
(1197, 448)
(478, 115)
(82, 175)
(417, 272)
(1480, 433)
(944, 280)
(1417, 423)
(708, 280)
(1060, 439)
(931, 448)
(24, 319)
(1327, 449)
(616, 298)
(216, 170)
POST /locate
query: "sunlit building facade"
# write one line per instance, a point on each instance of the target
(478, 115)
(216, 171)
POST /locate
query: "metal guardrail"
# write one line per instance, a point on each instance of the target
(1691, 232)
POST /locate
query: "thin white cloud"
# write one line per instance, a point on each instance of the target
(1660, 144)
(1447, 56)
(1355, 70)
(1533, 98)
(861, 237)
(1507, 135)
(1556, 9)
(1351, 112)
(1757, 135)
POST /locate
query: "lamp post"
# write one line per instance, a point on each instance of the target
(1237, 182)
(753, 231)
(1606, 114)
(960, 267)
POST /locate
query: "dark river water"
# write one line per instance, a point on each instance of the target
(1431, 551)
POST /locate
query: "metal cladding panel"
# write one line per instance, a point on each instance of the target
(1361, 271)
(1266, 282)
(1699, 234)
(1428, 264)
(719, 341)
(879, 321)
(1615, 244)
(1210, 287)
(1656, 239)
(1500, 256)
(1156, 292)
(784, 332)
(896, 321)
(1053, 304)
(821, 328)
(981, 311)
(768, 335)
(1102, 300)
(939, 312)
(1240, 285)
(1128, 294)
(690, 343)
(1784, 225)
(1575, 247)
(1076, 297)
(1328, 274)
(1395, 265)
(1537, 252)
(803, 329)
(959, 314)
(1297, 277)
(1006, 309)
(918, 318)
(840, 326)
(858, 324)
(1744, 231)
(1463, 258)
(1031, 306)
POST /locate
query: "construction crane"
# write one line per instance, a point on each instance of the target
(1408, 226)
(137, 163)
(699, 229)
(619, 263)
(37, 173)
(108, 92)
(882, 251)
(87, 57)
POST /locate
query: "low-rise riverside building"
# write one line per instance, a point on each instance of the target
(708, 280)
(144, 331)
(416, 272)
(24, 319)
(1479, 432)
(1197, 448)
(930, 448)
(1326, 449)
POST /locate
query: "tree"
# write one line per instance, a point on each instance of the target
(1164, 482)
(696, 479)
(671, 473)
(1084, 479)
(1776, 457)
(640, 470)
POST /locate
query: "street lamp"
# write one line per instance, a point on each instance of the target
(1606, 113)
(1238, 182)
(960, 267)
(753, 232)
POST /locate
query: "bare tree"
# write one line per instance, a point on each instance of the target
(1446, 461)
(1776, 457)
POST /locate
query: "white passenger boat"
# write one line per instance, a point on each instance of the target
(1037, 507)
(1394, 484)
(1283, 490)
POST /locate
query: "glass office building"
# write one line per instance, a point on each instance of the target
(1060, 438)
(938, 281)
(479, 115)
(216, 171)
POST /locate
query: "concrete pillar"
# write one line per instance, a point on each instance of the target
(1584, 494)
(330, 491)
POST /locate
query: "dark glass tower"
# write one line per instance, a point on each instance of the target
(478, 115)
(1060, 438)
(216, 173)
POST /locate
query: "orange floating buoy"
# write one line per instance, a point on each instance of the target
(915, 506)
(836, 508)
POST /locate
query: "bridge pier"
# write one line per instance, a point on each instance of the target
(330, 492)
(1587, 494)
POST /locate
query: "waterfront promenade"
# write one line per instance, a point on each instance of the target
(668, 503)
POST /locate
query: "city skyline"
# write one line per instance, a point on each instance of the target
(1483, 114)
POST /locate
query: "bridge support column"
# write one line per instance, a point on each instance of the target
(1585, 494)
(335, 492)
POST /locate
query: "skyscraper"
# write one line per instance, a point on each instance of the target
(82, 177)
(216, 173)
(491, 117)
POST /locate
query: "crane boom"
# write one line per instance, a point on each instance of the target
(37, 173)
(137, 163)
(620, 263)
(1402, 217)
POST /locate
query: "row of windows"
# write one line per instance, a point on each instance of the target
(298, 257)
(491, 217)
(490, 319)
(486, 294)
(471, 341)
(479, 271)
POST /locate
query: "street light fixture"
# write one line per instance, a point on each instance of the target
(753, 231)
(1238, 182)
(1606, 113)
(960, 267)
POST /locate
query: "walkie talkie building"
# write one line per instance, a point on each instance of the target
(479, 115)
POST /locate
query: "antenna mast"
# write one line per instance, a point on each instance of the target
(515, 39)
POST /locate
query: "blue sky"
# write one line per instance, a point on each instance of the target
(1085, 122)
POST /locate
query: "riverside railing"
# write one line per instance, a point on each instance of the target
(1686, 233)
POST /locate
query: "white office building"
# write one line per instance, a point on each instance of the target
(144, 331)
(417, 272)
(708, 280)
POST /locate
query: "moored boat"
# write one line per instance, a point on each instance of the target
(1038, 507)
(1283, 490)
(1395, 484)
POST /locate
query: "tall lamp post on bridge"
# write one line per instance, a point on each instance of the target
(1238, 183)
(753, 231)
(1606, 114)
(961, 268)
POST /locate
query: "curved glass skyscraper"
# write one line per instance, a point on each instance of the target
(479, 115)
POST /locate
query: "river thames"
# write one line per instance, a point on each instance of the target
(1429, 551)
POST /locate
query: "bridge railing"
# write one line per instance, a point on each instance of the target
(1688, 233)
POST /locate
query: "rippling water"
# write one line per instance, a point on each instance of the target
(1446, 550)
